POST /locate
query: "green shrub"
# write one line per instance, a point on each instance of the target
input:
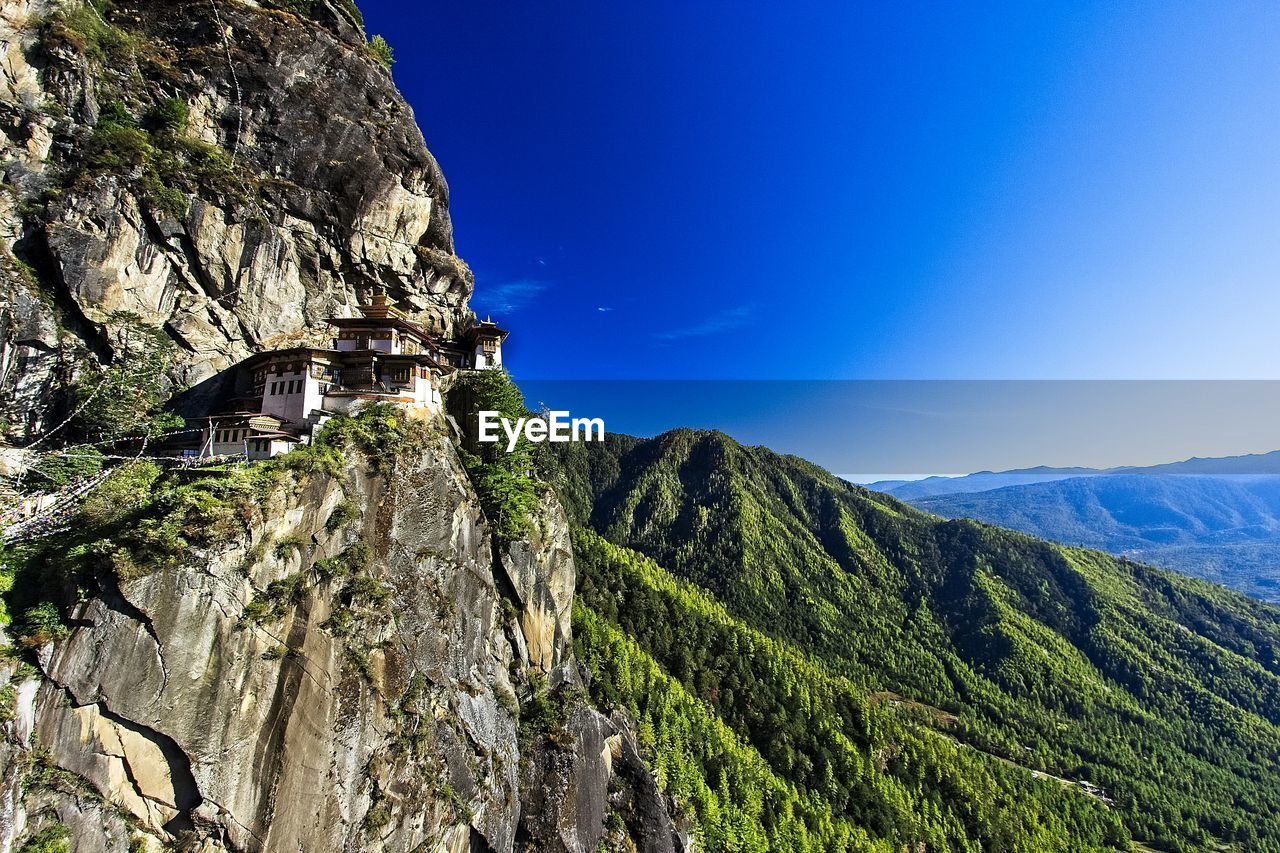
(275, 653)
(381, 431)
(310, 459)
(126, 397)
(64, 467)
(164, 198)
(359, 661)
(164, 165)
(257, 610)
(8, 703)
(42, 624)
(55, 838)
(286, 592)
(381, 51)
(311, 8)
(461, 809)
(366, 590)
(136, 522)
(206, 163)
(115, 112)
(84, 30)
(378, 817)
(119, 147)
(287, 546)
(353, 560)
(340, 623)
(343, 514)
(506, 700)
(127, 490)
(7, 573)
(350, 7)
(171, 115)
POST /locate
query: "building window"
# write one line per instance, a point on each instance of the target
(400, 375)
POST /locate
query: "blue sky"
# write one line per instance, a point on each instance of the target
(820, 190)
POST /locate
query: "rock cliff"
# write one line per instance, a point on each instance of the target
(354, 661)
(345, 673)
(228, 171)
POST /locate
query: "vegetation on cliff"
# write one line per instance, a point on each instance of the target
(143, 518)
(503, 480)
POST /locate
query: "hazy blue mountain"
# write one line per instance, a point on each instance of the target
(1253, 464)
(1221, 528)
(910, 490)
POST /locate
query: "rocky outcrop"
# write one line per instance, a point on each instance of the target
(326, 687)
(540, 569)
(296, 185)
(590, 752)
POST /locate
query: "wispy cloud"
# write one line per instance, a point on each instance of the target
(725, 320)
(511, 296)
(603, 308)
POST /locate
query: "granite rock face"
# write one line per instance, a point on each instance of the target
(254, 699)
(540, 569)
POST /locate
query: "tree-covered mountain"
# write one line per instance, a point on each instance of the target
(1225, 529)
(814, 664)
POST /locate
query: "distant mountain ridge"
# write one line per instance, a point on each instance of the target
(1222, 528)
(979, 481)
(1247, 465)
